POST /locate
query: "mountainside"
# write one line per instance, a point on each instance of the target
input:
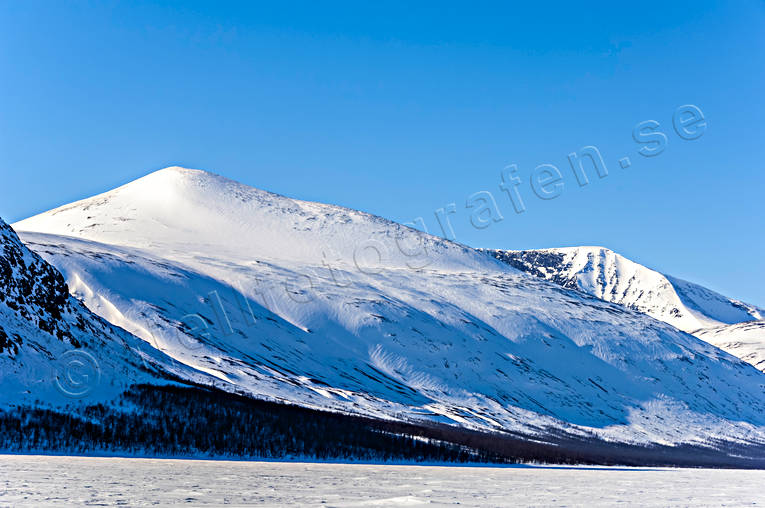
(745, 340)
(333, 308)
(74, 384)
(53, 350)
(609, 276)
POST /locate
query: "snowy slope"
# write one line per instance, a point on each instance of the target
(602, 273)
(745, 340)
(334, 308)
(55, 351)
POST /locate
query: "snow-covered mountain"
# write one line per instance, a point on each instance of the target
(53, 350)
(602, 273)
(334, 308)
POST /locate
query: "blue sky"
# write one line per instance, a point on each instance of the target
(400, 110)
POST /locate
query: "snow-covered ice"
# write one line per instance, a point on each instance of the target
(63, 481)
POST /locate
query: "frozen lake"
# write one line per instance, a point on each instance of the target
(57, 481)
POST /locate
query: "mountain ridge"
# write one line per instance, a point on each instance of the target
(609, 276)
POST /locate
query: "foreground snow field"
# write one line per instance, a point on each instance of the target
(60, 481)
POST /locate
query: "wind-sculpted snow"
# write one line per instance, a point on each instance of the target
(332, 308)
(611, 277)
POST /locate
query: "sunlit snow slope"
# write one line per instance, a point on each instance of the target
(334, 308)
(602, 273)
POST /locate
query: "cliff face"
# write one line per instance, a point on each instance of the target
(53, 350)
(34, 291)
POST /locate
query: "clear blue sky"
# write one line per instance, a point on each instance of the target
(399, 110)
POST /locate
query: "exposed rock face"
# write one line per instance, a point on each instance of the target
(53, 350)
(33, 289)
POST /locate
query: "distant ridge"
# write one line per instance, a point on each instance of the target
(604, 274)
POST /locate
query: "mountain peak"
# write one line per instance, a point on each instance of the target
(188, 211)
(181, 169)
(171, 176)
